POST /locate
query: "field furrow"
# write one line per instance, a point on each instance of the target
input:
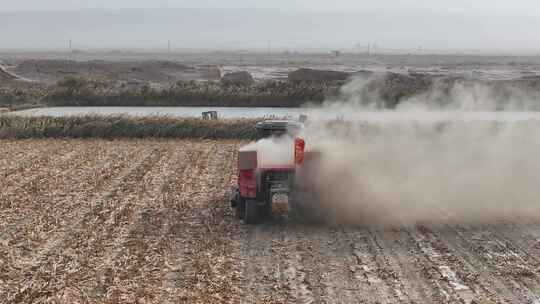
(20, 167)
(149, 221)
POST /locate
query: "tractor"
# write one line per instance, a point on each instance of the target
(259, 183)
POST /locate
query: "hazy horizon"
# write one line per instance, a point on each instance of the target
(208, 27)
(483, 7)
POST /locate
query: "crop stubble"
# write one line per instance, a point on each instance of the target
(94, 221)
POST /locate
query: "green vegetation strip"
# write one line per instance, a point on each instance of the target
(85, 92)
(110, 127)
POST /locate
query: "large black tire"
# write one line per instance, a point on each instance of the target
(265, 212)
(252, 212)
(240, 207)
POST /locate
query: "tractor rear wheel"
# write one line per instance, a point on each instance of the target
(252, 212)
(266, 211)
(240, 208)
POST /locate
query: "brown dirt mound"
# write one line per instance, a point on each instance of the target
(49, 70)
(311, 75)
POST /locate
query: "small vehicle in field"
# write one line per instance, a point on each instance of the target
(259, 182)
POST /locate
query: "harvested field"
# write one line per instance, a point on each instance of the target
(148, 221)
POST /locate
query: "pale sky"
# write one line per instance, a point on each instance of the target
(490, 25)
(489, 7)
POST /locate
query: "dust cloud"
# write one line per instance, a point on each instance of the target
(443, 95)
(423, 162)
(447, 169)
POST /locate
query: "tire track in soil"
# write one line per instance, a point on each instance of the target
(484, 281)
(343, 268)
(294, 263)
(447, 278)
(74, 243)
(374, 268)
(523, 238)
(410, 281)
(465, 269)
(262, 281)
(346, 268)
(385, 271)
(331, 266)
(274, 270)
(277, 263)
(286, 263)
(420, 252)
(470, 242)
(518, 273)
(273, 260)
(298, 288)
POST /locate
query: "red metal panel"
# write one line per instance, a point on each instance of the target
(247, 182)
(299, 147)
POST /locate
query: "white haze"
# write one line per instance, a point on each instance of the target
(409, 171)
(461, 96)
(483, 7)
(421, 172)
(350, 28)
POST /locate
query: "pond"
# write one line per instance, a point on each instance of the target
(260, 112)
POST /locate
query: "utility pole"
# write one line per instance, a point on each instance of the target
(70, 51)
(269, 49)
(169, 46)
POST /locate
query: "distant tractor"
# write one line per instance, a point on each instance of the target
(260, 183)
(210, 115)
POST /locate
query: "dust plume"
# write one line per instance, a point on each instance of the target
(409, 168)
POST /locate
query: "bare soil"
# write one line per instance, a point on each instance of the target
(166, 67)
(149, 222)
(50, 71)
(5, 75)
